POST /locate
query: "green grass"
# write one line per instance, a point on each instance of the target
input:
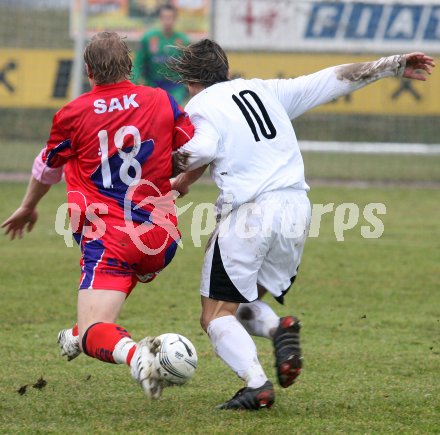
(18, 156)
(371, 167)
(370, 310)
(367, 128)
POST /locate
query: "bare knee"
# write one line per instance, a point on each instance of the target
(212, 309)
(98, 306)
(207, 318)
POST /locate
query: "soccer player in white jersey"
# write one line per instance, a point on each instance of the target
(244, 133)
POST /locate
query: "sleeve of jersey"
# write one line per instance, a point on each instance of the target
(202, 148)
(304, 93)
(48, 165)
(183, 131)
(183, 128)
(42, 173)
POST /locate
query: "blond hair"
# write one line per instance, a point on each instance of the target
(108, 58)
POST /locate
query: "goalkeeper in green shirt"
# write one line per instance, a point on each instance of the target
(155, 49)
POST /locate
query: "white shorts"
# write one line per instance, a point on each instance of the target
(258, 243)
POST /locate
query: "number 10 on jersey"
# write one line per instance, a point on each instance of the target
(265, 125)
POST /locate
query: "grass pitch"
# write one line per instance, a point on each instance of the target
(370, 309)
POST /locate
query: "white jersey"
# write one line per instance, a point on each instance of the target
(244, 129)
(257, 150)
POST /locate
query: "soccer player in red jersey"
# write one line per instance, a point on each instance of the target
(115, 146)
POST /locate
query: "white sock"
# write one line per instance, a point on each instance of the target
(258, 318)
(122, 350)
(236, 348)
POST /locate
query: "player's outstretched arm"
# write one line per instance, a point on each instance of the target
(304, 93)
(26, 215)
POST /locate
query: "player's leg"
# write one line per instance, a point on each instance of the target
(236, 348)
(106, 280)
(111, 267)
(284, 332)
(224, 286)
(260, 320)
(148, 269)
(97, 314)
(103, 305)
(94, 306)
(258, 317)
(231, 342)
(102, 338)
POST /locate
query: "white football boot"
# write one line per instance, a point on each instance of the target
(69, 344)
(143, 367)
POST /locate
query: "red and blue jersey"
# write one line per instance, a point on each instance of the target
(112, 137)
(115, 144)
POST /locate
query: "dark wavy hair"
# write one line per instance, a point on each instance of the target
(108, 58)
(202, 62)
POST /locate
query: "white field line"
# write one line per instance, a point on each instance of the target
(369, 148)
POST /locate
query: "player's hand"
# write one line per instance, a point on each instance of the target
(22, 218)
(179, 186)
(418, 65)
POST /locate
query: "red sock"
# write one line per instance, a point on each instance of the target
(75, 332)
(109, 343)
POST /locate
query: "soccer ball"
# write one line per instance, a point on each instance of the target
(176, 359)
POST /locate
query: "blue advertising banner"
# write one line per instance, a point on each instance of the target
(337, 26)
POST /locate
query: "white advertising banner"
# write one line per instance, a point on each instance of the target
(336, 26)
